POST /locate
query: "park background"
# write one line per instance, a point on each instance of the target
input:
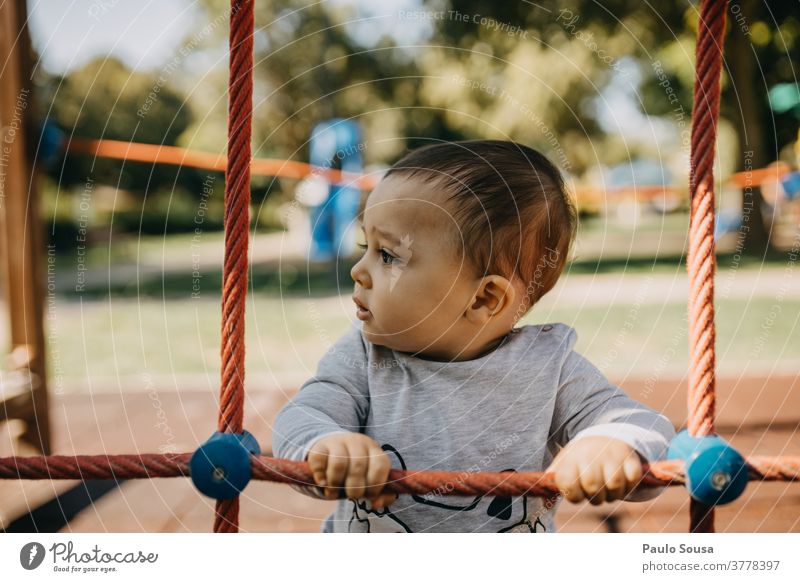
(132, 252)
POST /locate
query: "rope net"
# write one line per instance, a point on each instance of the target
(700, 265)
(701, 257)
(236, 225)
(264, 468)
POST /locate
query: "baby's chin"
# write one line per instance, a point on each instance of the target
(391, 340)
(399, 342)
(378, 337)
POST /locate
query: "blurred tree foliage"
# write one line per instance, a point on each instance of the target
(762, 45)
(104, 99)
(574, 46)
(536, 73)
(309, 68)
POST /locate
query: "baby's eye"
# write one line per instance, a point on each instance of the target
(386, 257)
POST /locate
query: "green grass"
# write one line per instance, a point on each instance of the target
(162, 267)
(127, 338)
(648, 339)
(143, 319)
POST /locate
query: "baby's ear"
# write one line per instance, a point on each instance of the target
(493, 297)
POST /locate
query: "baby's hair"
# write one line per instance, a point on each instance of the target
(510, 203)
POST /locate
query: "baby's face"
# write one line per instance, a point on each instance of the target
(412, 279)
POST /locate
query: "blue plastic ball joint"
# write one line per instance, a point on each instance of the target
(220, 467)
(716, 473)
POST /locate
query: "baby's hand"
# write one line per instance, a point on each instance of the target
(353, 461)
(596, 468)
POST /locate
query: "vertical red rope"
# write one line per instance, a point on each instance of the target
(701, 261)
(237, 224)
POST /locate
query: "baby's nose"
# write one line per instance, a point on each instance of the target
(360, 275)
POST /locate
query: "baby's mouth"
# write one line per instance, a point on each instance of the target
(362, 312)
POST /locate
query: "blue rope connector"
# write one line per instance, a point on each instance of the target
(220, 467)
(716, 473)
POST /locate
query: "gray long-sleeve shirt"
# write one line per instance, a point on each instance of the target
(509, 410)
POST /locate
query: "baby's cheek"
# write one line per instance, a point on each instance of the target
(407, 318)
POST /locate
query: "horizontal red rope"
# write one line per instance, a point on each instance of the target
(176, 156)
(171, 155)
(264, 468)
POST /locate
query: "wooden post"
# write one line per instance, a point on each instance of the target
(20, 228)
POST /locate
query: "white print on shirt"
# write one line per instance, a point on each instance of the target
(500, 508)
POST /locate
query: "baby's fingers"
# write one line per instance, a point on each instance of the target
(633, 470)
(632, 467)
(616, 483)
(337, 468)
(593, 485)
(318, 463)
(378, 472)
(568, 482)
(356, 480)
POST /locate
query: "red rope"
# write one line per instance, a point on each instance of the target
(236, 225)
(263, 468)
(701, 253)
(163, 154)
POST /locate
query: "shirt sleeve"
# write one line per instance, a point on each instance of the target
(588, 404)
(335, 400)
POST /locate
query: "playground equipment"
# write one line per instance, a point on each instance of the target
(335, 144)
(23, 389)
(714, 472)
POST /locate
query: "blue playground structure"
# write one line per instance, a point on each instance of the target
(335, 145)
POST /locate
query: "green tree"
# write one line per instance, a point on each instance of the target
(532, 72)
(106, 100)
(762, 41)
(309, 68)
(555, 58)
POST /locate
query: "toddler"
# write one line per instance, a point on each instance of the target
(462, 239)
